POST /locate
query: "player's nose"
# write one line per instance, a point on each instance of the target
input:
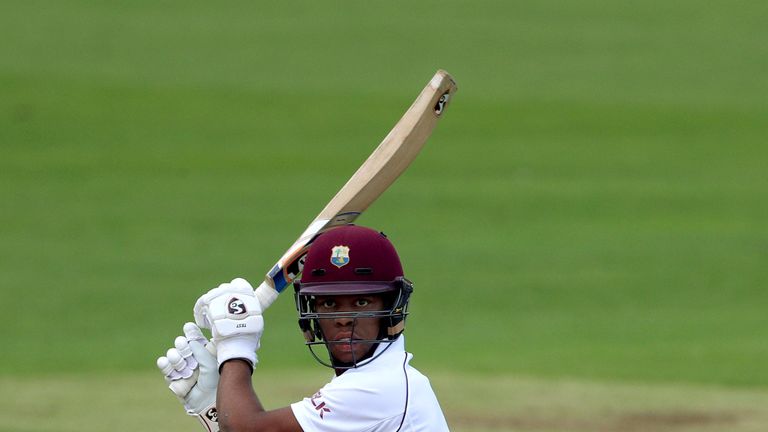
(343, 321)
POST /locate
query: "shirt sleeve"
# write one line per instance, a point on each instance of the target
(340, 408)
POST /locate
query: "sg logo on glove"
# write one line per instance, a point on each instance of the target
(212, 415)
(236, 307)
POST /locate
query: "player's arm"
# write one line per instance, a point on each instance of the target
(233, 314)
(240, 409)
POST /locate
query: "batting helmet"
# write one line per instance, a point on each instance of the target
(352, 260)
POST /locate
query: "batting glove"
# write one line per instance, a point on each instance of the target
(191, 371)
(233, 313)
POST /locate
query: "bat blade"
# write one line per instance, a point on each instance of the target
(398, 149)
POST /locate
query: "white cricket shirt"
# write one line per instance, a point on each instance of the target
(386, 395)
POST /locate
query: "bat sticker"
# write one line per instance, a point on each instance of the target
(440, 105)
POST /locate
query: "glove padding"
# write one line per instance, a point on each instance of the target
(233, 313)
(191, 371)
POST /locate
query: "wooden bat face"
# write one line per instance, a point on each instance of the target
(398, 149)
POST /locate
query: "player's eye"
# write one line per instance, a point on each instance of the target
(361, 302)
(328, 304)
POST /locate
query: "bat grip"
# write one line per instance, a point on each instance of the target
(266, 295)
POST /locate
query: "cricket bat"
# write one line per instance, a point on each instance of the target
(398, 149)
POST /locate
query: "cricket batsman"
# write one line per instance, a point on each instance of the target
(352, 302)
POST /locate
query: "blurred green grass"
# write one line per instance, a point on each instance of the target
(529, 404)
(593, 204)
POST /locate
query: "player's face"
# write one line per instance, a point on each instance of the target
(342, 332)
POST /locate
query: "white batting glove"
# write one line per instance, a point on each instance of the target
(192, 374)
(233, 313)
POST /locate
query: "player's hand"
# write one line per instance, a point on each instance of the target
(233, 313)
(192, 374)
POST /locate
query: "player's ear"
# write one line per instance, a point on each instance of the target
(399, 309)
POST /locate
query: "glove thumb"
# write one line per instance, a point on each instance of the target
(203, 350)
(193, 333)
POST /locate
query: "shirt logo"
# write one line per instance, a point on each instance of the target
(340, 256)
(319, 405)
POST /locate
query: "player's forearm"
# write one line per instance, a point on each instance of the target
(240, 409)
(237, 403)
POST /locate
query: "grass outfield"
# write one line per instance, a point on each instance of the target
(591, 210)
(88, 403)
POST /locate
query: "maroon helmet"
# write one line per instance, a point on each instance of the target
(351, 260)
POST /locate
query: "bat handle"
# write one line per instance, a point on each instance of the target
(266, 295)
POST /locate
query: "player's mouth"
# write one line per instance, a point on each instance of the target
(343, 337)
(345, 343)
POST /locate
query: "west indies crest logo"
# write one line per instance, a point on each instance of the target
(340, 256)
